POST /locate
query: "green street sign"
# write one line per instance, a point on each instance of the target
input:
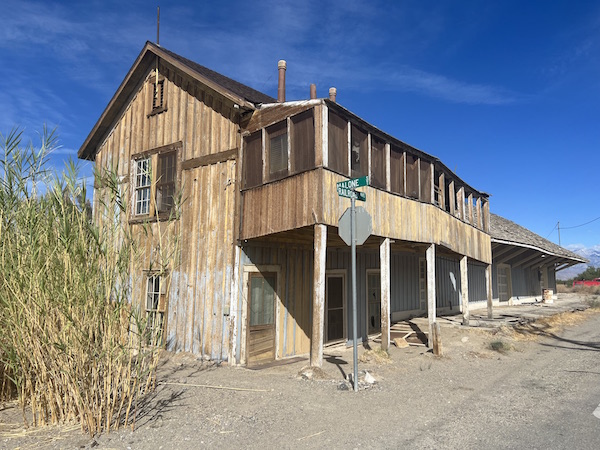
(354, 183)
(349, 193)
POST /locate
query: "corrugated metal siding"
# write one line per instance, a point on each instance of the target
(447, 283)
(552, 279)
(404, 280)
(525, 282)
(476, 275)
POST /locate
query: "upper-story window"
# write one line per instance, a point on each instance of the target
(359, 153)
(158, 102)
(142, 186)
(278, 149)
(154, 181)
(337, 132)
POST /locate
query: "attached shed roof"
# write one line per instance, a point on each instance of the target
(504, 232)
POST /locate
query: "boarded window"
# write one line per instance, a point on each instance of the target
(253, 160)
(359, 153)
(277, 138)
(426, 181)
(338, 144)
(378, 166)
(165, 183)
(412, 176)
(303, 141)
(397, 170)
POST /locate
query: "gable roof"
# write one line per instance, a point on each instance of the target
(504, 231)
(238, 93)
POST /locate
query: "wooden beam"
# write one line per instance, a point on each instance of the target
(388, 170)
(470, 209)
(452, 198)
(318, 306)
(510, 255)
(486, 216)
(503, 250)
(442, 191)
(430, 257)
(479, 215)
(464, 287)
(488, 286)
(384, 265)
(460, 199)
(527, 260)
(208, 160)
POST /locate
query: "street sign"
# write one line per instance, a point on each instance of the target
(364, 226)
(354, 183)
(356, 195)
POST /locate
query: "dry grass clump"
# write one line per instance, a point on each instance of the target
(69, 342)
(500, 346)
(377, 355)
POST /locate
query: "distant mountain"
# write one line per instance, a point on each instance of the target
(591, 253)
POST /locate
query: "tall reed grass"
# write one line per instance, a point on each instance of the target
(69, 342)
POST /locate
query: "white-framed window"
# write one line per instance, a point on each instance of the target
(155, 308)
(143, 183)
(154, 179)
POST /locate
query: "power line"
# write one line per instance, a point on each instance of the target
(583, 224)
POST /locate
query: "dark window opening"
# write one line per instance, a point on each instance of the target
(397, 170)
(359, 153)
(378, 163)
(165, 184)
(278, 149)
(338, 144)
(303, 141)
(253, 160)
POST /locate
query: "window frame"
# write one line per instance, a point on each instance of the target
(154, 211)
(155, 286)
(157, 89)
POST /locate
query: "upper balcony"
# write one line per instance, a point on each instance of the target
(293, 154)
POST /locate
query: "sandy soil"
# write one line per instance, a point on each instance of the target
(200, 404)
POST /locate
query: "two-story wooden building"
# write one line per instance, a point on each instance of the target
(262, 273)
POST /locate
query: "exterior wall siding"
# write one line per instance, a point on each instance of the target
(476, 275)
(448, 286)
(199, 283)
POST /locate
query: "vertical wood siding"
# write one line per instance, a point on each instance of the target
(200, 285)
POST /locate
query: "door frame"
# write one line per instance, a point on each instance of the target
(508, 282)
(339, 273)
(247, 270)
(370, 272)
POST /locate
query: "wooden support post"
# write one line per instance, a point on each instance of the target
(479, 214)
(488, 286)
(470, 209)
(384, 265)
(452, 198)
(318, 306)
(430, 257)
(460, 200)
(464, 287)
(486, 216)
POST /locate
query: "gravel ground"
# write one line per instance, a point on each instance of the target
(199, 404)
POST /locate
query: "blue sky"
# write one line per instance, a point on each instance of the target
(505, 93)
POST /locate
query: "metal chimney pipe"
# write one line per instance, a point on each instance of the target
(332, 93)
(313, 91)
(281, 65)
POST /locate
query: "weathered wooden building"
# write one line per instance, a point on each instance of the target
(262, 273)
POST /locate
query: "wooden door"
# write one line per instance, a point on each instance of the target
(373, 302)
(335, 299)
(503, 283)
(261, 317)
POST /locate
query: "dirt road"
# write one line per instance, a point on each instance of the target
(532, 394)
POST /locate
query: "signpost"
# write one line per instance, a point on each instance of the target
(357, 234)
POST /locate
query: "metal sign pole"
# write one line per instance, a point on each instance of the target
(353, 253)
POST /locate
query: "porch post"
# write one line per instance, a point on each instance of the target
(384, 265)
(430, 257)
(464, 287)
(318, 306)
(488, 286)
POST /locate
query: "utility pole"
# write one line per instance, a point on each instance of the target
(558, 226)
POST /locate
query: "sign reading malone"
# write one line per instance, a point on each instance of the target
(347, 188)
